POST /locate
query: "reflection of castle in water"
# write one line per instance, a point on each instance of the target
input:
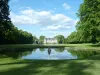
(49, 51)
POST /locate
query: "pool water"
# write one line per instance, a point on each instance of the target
(47, 53)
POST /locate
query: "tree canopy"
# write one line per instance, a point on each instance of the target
(41, 39)
(60, 39)
(88, 27)
(9, 34)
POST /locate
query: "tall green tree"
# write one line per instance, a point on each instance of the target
(89, 24)
(72, 38)
(4, 10)
(35, 40)
(41, 39)
(76, 37)
(5, 23)
(9, 34)
(60, 39)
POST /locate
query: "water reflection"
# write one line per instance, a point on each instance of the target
(59, 49)
(16, 52)
(46, 53)
(83, 53)
(42, 49)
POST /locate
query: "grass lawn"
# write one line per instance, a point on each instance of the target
(90, 66)
(86, 46)
(51, 45)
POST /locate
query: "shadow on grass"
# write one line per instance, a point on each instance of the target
(95, 57)
(38, 67)
(76, 68)
(94, 45)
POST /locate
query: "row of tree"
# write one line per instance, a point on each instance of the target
(9, 34)
(88, 27)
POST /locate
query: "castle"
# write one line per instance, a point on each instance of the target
(50, 41)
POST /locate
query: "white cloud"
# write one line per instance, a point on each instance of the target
(47, 19)
(64, 25)
(66, 6)
(54, 33)
(55, 27)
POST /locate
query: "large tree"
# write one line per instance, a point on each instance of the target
(5, 23)
(9, 34)
(41, 39)
(76, 37)
(89, 24)
(4, 10)
(60, 39)
(35, 40)
(72, 38)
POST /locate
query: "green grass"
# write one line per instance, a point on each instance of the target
(31, 45)
(90, 66)
(86, 46)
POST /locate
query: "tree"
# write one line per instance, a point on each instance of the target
(72, 38)
(5, 23)
(35, 39)
(89, 24)
(76, 37)
(41, 39)
(9, 34)
(4, 10)
(60, 39)
(88, 27)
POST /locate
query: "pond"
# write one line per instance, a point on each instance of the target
(47, 53)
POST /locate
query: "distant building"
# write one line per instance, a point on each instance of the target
(50, 41)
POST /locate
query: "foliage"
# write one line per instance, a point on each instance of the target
(88, 27)
(9, 34)
(35, 40)
(60, 39)
(4, 10)
(72, 38)
(41, 39)
(76, 37)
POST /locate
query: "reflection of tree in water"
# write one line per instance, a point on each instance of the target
(42, 49)
(83, 53)
(16, 52)
(59, 49)
(34, 49)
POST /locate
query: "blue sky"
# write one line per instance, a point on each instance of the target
(45, 17)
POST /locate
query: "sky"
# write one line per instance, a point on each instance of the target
(45, 17)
